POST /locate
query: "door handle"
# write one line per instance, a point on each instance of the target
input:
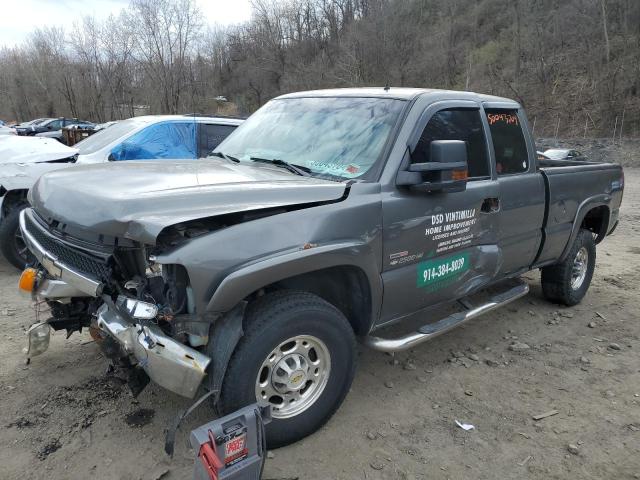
(490, 205)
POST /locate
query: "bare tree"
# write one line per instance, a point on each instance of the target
(158, 53)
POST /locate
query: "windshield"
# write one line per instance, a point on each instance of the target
(104, 137)
(336, 136)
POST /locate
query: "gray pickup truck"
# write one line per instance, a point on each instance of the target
(325, 217)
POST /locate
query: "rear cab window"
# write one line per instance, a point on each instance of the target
(211, 135)
(509, 144)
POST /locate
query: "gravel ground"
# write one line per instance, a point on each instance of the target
(62, 417)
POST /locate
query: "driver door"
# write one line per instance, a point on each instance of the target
(441, 246)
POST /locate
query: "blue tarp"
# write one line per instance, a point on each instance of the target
(172, 140)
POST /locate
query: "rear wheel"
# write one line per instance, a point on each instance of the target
(12, 244)
(298, 355)
(568, 282)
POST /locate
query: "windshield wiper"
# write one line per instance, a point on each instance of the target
(297, 169)
(225, 156)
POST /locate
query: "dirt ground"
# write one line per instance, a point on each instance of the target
(61, 417)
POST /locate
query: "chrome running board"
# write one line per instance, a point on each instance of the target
(432, 330)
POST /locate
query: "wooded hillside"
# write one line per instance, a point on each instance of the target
(574, 64)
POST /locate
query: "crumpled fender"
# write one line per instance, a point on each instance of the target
(249, 278)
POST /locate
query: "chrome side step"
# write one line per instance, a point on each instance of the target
(432, 330)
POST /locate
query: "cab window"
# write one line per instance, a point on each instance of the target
(509, 145)
(456, 124)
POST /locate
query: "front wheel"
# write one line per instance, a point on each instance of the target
(568, 282)
(12, 244)
(298, 355)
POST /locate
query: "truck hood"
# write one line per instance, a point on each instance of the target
(15, 149)
(136, 200)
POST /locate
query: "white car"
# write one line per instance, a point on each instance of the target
(24, 159)
(7, 131)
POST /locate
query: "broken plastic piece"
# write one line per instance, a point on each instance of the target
(465, 426)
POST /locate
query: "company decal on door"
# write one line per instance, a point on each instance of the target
(440, 272)
(451, 230)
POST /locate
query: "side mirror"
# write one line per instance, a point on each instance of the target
(445, 172)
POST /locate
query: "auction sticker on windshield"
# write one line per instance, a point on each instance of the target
(439, 272)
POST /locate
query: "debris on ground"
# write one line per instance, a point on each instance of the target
(524, 462)
(465, 426)
(519, 347)
(540, 416)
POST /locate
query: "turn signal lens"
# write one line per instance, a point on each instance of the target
(27, 280)
(459, 175)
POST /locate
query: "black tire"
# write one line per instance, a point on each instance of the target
(11, 244)
(557, 279)
(272, 320)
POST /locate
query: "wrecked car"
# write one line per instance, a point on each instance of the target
(48, 125)
(140, 138)
(564, 154)
(58, 135)
(4, 130)
(326, 217)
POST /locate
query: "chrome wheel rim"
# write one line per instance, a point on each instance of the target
(293, 376)
(579, 270)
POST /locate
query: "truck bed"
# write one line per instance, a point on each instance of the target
(574, 191)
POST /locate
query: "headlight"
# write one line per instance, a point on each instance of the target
(137, 308)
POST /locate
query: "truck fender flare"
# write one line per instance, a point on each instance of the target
(10, 198)
(601, 200)
(242, 282)
(224, 335)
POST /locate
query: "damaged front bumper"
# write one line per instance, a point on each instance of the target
(128, 323)
(167, 362)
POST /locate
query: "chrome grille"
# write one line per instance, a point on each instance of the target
(74, 258)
